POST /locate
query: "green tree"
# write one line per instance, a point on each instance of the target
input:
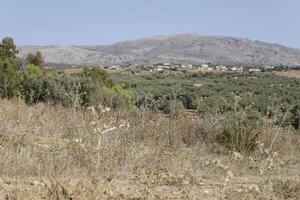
(9, 79)
(8, 50)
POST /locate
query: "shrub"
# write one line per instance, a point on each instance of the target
(173, 107)
(241, 135)
(32, 69)
(114, 97)
(54, 89)
(213, 105)
(98, 76)
(289, 117)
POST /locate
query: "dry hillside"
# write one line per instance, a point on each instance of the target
(181, 48)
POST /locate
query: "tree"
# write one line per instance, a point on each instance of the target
(36, 59)
(9, 65)
(8, 50)
(8, 79)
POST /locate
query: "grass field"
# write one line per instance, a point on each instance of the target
(57, 153)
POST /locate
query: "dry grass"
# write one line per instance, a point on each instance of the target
(289, 73)
(53, 153)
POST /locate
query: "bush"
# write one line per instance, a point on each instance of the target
(114, 97)
(53, 89)
(72, 90)
(241, 135)
(32, 69)
(213, 105)
(173, 107)
(98, 76)
(289, 117)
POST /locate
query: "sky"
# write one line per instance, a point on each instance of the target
(100, 22)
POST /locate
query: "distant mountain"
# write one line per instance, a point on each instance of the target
(182, 48)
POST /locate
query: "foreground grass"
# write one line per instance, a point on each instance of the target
(60, 153)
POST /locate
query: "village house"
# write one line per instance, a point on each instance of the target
(268, 67)
(158, 69)
(221, 68)
(254, 70)
(189, 66)
(167, 64)
(237, 69)
(115, 67)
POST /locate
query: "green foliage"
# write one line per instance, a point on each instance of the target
(104, 91)
(114, 97)
(173, 107)
(214, 92)
(71, 90)
(289, 117)
(55, 89)
(213, 105)
(241, 135)
(8, 48)
(8, 51)
(295, 117)
(98, 76)
(127, 95)
(9, 66)
(32, 69)
(9, 80)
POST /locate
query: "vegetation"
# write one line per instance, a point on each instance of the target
(36, 59)
(247, 96)
(167, 135)
(264, 93)
(241, 134)
(9, 66)
(34, 84)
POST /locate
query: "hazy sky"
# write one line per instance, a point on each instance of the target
(104, 22)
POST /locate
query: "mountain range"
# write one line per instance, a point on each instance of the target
(181, 48)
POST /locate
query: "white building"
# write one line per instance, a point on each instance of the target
(255, 70)
(158, 69)
(237, 69)
(167, 64)
(190, 66)
(268, 67)
(115, 67)
(221, 68)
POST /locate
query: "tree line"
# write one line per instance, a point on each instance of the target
(34, 83)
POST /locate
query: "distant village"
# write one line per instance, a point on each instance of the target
(161, 67)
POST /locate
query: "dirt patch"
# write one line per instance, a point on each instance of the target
(289, 74)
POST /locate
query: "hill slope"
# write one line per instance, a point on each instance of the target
(182, 48)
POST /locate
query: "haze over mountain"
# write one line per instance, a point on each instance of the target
(181, 48)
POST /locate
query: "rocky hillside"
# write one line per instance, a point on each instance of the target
(182, 48)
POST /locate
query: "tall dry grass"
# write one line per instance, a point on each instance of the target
(51, 141)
